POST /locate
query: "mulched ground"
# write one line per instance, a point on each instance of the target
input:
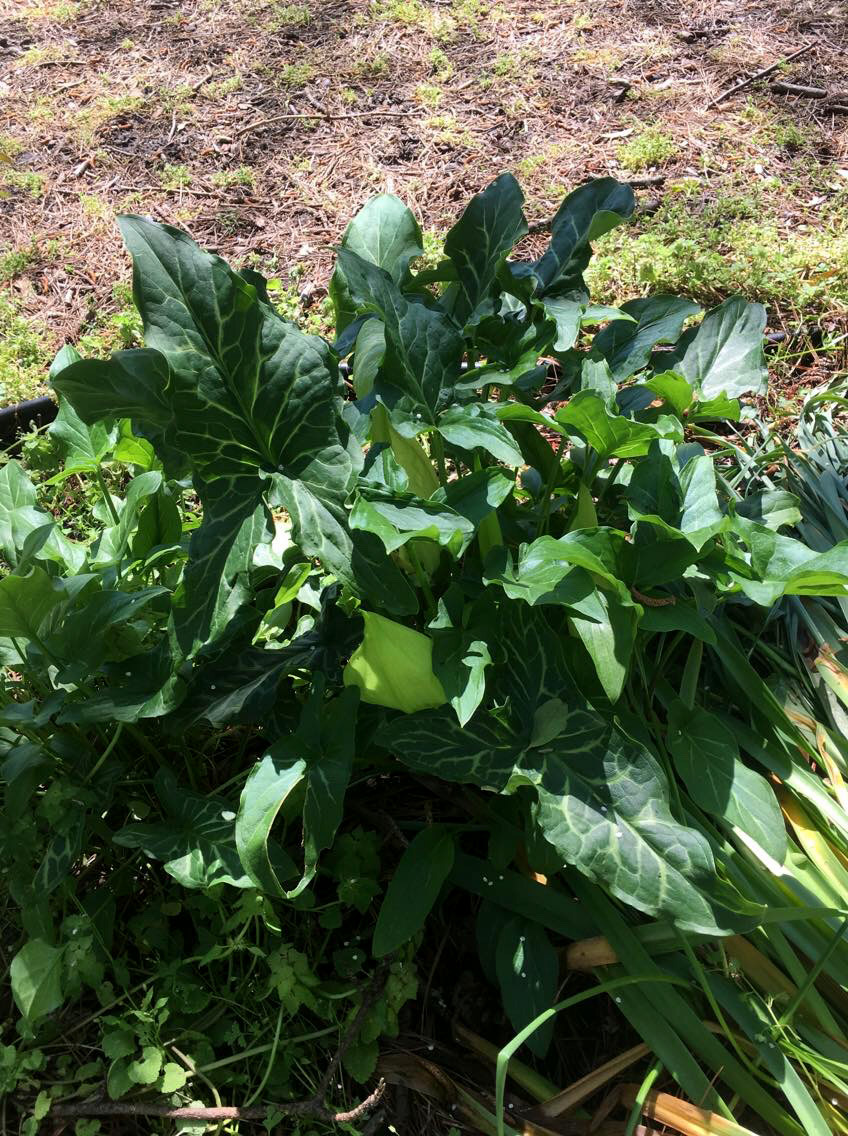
(282, 119)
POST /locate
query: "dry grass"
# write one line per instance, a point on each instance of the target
(262, 126)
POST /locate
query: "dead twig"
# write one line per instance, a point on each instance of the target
(316, 1106)
(806, 92)
(225, 1112)
(327, 114)
(759, 75)
(782, 88)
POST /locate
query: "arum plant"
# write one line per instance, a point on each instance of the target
(499, 564)
(522, 646)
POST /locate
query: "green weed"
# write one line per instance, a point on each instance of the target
(243, 175)
(295, 74)
(10, 147)
(16, 261)
(442, 66)
(289, 16)
(429, 94)
(649, 148)
(371, 66)
(175, 177)
(24, 354)
(732, 245)
(27, 181)
(224, 87)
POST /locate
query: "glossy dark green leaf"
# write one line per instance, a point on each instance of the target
(476, 425)
(774, 508)
(606, 624)
(195, 840)
(527, 968)
(546, 571)
(399, 518)
(461, 653)
(677, 616)
(613, 435)
(586, 214)
(602, 795)
(476, 495)
(701, 517)
(356, 558)
(316, 760)
(726, 355)
(781, 565)
(567, 313)
(707, 761)
(229, 387)
(477, 244)
(385, 233)
(627, 346)
(423, 347)
(132, 384)
(414, 889)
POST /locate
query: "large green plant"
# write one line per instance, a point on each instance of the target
(452, 559)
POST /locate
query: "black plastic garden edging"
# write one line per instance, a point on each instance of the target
(17, 419)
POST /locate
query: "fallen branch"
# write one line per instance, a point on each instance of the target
(798, 89)
(759, 75)
(315, 1107)
(806, 92)
(213, 1115)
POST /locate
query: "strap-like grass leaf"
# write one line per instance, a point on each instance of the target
(414, 889)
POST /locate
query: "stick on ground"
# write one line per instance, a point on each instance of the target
(759, 75)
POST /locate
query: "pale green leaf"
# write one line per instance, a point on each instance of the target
(36, 979)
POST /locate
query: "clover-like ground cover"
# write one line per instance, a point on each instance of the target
(199, 114)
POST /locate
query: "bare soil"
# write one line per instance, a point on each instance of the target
(262, 127)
